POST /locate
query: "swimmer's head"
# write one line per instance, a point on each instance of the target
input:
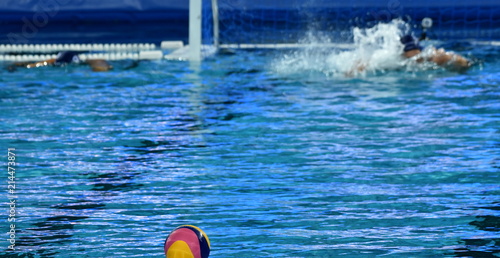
(67, 57)
(187, 241)
(411, 46)
(410, 43)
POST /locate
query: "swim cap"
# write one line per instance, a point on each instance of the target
(67, 57)
(410, 43)
(187, 241)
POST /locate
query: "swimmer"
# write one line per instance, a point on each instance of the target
(69, 57)
(449, 60)
(187, 241)
(413, 51)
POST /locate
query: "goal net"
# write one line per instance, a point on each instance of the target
(246, 23)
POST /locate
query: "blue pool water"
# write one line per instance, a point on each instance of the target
(269, 163)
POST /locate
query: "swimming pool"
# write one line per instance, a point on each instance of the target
(268, 163)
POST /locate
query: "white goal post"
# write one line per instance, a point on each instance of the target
(195, 30)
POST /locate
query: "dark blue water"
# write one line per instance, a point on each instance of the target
(393, 164)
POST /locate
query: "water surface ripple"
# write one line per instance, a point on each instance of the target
(268, 164)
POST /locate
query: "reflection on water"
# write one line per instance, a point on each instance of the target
(487, 243)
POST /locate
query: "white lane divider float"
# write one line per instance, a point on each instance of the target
(40, 52)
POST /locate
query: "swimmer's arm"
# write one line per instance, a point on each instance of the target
(450, 60)
(99, 65)
(41, 63)
(358, 67)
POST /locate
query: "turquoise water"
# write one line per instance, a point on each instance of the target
(269, 164)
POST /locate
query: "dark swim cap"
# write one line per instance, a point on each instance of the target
(410, 43)
(67, 57)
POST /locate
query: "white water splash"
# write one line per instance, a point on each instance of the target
(374, 49)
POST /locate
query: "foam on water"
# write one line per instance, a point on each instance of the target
(374, 49)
